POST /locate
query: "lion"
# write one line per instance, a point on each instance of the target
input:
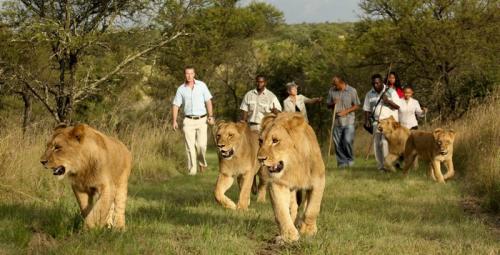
(98, 168)
(396, 136)
(291, 156)
(238, 146)
(436, 147)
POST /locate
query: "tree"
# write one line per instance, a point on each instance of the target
(440, 45)
(71, 30)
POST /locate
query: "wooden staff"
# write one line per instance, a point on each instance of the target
(331, 134)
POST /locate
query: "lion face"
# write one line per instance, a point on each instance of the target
(277, 147)
(63, 150)
(444, 140)
(228, 138)
(274, 149)
(388, 125)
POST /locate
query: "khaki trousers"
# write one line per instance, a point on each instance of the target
(195, 135)
(380, 146)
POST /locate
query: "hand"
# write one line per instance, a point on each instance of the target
(368, 124)
(274, 110)
(342, 113)
(425, 110)
(385, 99)
(319, 99)
(174, 125)
(211, 121)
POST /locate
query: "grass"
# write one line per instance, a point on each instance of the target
(364, 212)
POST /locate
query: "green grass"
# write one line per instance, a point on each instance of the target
(364, 211)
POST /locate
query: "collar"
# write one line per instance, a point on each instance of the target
(257, 92)
(195, 81)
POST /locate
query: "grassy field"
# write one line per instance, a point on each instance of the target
(364, 212)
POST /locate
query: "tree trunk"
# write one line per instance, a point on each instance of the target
(25, 94)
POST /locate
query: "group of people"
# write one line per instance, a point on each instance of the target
(386, 98)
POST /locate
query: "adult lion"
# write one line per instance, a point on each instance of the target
(290, 154)
(396, 136)
(238, 147)
(436, 147)
(98, 168)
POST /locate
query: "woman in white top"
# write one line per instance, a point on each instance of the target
(409, 109)
(296, 103)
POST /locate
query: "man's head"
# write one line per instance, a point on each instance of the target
(189, 73)
(338, 82)
(260, 82)
(291, 88)
(377, 83)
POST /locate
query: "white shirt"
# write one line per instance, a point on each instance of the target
(258, 105)
(382, 111)
(193, 99)
(408, 109)
(300, 102)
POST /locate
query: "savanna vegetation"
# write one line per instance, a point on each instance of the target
(116, 64)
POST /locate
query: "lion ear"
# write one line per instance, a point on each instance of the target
(436, 132)
(78, 132)
(220, 123)
(241, 126)
(296, 120)
(452, 133)
(392, 118)
(267, 120)
(60, 126)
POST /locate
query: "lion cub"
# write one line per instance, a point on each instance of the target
(238, 146)
(291, 156)
(436, 146)
(396, 136)
(98, 168)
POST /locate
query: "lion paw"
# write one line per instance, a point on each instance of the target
(242, 207)
(308, 229)
(261, 199)
(288, 237)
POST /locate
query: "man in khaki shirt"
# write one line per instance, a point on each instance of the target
(257, 103)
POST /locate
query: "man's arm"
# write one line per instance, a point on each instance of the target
(353, 108)
(367, 119)
(175, 112)
(211, 119)
(244, 116)
(391, 102)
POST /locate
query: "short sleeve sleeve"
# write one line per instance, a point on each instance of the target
(366, 104)
(178, 98)
(244, 103)
(277, 104)
(206, 93)
(355, 98)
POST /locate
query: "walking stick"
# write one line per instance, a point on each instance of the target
(331, 134)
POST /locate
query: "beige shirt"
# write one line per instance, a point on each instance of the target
(408, 110)
(258, 106)
(300, 102)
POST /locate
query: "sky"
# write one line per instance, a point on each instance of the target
(313, 11)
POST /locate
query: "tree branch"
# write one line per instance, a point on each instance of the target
(82, 94)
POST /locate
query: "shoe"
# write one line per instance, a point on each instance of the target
(351, 163)
(342, 166)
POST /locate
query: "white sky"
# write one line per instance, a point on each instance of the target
(313, 11)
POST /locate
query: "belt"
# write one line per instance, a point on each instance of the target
(253, 123)
(193, 117)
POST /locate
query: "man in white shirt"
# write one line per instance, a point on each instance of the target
(380, 102)
(257, 103)
(195, 98)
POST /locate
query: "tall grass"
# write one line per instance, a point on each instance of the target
(158, 154)
(477, 152)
